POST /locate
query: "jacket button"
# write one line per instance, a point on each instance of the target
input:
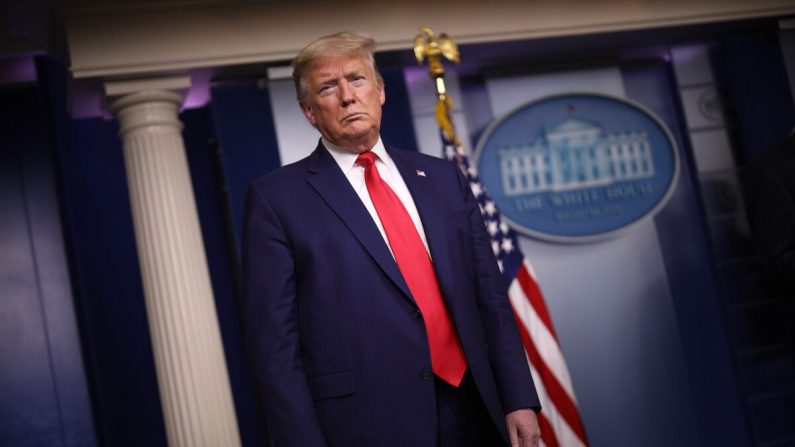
(426, 374)
(416, 314)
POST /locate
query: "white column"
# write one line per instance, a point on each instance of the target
(191, 369)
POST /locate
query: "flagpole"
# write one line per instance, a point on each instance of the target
(427, 46)
(560, 421)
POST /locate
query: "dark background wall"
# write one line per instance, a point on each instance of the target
(44, 398)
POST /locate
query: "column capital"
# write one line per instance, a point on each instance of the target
(142, 103)
(124, 87)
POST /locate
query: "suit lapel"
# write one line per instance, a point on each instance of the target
(422, 189)
(330, 183)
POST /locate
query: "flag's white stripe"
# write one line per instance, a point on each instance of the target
(545, 343)
(563, 432)
(530, 270)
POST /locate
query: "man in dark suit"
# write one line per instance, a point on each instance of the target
(375, 311)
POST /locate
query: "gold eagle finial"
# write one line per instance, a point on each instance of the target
(426, 46)
(433, 48)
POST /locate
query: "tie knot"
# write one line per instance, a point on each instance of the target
(366, 159)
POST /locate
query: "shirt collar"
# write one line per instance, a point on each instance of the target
(347, 159)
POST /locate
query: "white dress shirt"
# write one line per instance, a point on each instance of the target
(388, 172)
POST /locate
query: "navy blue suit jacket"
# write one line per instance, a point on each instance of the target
(336, 342)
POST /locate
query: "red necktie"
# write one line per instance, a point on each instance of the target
(447, 356)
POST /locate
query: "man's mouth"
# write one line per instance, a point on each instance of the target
(352, 117)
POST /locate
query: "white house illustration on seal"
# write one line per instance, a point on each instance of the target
(575, 153)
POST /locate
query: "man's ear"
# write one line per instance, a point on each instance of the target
(308, 113)
(381, 90)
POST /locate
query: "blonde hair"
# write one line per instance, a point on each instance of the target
(345, 43)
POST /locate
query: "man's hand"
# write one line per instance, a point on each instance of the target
(523, 428)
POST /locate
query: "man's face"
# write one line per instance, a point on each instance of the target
(343, 99)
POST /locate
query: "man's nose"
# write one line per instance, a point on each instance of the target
(346, 93)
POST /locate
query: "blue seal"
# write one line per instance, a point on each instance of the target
(577, 167)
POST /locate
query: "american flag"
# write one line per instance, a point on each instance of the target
(559, 419)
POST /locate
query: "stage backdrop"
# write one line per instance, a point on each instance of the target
(637, 315)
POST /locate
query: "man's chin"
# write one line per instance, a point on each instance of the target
(358, 142)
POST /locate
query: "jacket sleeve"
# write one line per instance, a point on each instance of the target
(509, 362)
(271, 327)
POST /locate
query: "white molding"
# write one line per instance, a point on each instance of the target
(124, 87)
(280, 72)
(144, 41)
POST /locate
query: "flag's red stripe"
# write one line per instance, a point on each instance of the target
(555, 391)
(547, 432)
(533, 293)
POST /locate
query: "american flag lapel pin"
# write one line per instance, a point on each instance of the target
(420, 173)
